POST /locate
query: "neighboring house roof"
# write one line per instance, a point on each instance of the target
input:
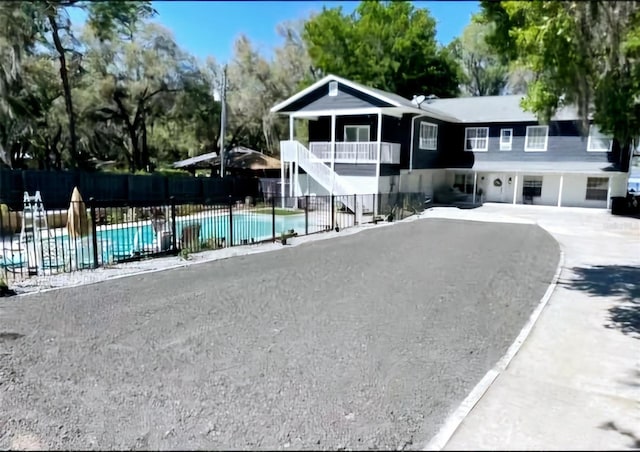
(238, 157)
(195, 160)
(486, 109)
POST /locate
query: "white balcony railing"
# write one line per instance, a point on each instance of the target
(356, 152)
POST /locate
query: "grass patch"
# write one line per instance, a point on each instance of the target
(279, 211)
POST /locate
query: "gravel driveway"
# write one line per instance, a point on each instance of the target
(365, 341)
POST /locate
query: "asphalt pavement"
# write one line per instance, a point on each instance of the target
(360, 342)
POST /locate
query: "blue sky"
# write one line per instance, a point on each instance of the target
(210, 28)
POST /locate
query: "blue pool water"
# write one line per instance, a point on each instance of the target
(121, 242)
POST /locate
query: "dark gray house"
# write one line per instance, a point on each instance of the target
(362, 141)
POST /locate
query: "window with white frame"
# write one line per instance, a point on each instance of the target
(428, 136)
(598, 142)
(506, 139)
(536, 139)
(597, 188)
(532, 186)
(356, 133)
(476, 138)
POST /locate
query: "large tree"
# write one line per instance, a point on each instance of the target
(582, 53)
(388, 45)
(129, 94)
(256, 84)
(135, 83)
(484, 74)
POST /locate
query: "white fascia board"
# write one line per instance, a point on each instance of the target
(327, 79)
(344, 112)
(301, 94)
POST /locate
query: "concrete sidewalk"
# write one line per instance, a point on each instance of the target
(575, 382)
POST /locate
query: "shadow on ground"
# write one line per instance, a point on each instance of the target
(635, 441)
(621, 281)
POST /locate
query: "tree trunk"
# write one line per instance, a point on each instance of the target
(144, 147)
(134, 149)
(64, 75)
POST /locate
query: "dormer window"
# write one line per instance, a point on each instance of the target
(333, 89)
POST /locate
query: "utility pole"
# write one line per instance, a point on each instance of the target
(223, 118)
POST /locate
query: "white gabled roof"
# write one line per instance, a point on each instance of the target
(398, 102)
(390, 98)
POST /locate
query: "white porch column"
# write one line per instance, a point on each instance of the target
(292, 138)
(379, 140)
(297, 188)
(560, 190)
(290, 179)
(282, 178)
(609, 194)
(333, 149)
(475, 185)
(515, 188)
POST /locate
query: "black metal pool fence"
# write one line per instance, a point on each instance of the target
(95, 233)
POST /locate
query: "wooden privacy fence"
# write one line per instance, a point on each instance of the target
(56, 187)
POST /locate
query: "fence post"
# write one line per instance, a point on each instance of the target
(230, 220)
(355, 210)
(94, 236)
(333, 211)
(273, 218)
(2, 232)
(306, 215)
(174, 235)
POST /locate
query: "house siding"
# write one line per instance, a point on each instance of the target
(446, 153)
(347, 98)
(320, 130)
(355, 169)
(565, 144)
(389, 170)
(394, 130)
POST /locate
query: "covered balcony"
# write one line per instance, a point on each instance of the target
(356, 151)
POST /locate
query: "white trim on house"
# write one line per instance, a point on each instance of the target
(345, 112)
(598, 137)
(527, 147)
(326, 79)
(475, 139)
(397, 110)
(506, 146)
(357, 127)
(428, 142)
(411, 146)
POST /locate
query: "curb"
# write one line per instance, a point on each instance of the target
(261, 248)
(455, 419)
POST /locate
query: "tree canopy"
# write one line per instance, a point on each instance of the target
(118, 91)
(483, 72)
(121, 91)
(582, 53)
(387, 45)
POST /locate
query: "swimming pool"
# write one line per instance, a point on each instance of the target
(120, 242)
(247, 228)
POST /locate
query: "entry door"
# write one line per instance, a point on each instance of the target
(497, 187)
